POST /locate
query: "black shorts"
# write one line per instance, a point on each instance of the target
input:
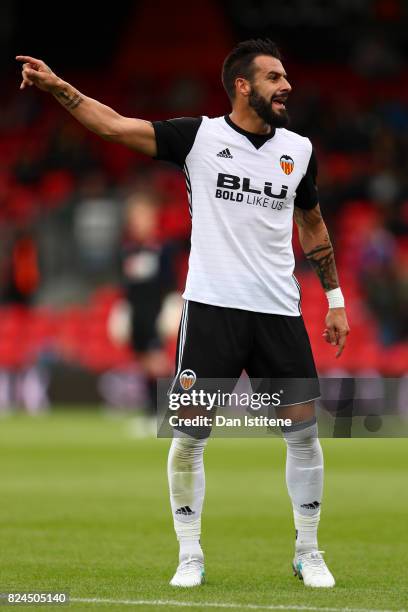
(144, 335)
(219, 343)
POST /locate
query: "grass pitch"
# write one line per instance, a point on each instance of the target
(84, 508)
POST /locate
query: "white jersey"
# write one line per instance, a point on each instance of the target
(242, 189)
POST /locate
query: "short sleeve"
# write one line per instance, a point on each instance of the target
(175, 138)
(307, 195)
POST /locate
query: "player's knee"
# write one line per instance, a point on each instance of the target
(302, 439)
(186, 450)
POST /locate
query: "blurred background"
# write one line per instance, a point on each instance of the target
(94, 244)
(94, 238)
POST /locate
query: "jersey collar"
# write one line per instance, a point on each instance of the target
(256, 139)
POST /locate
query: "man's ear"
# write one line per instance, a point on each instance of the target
(242, 86)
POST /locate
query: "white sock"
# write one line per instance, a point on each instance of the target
(304, 478)
(306, 531)
(190, 547)
(187, 486)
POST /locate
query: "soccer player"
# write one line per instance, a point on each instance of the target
(247, 176)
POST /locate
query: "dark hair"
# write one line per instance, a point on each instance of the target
(239, 62)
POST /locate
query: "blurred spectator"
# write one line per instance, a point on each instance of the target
(384, 187)
(97, 226)
(21, 273)
(148, 276)
(374, 55)
(186, 93)
(70, 149)
(381, 283)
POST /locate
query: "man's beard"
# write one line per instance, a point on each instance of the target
(264, 110)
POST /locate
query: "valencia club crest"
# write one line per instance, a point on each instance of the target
(187, 379)
(287, 164)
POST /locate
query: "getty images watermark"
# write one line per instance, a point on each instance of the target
(198, 407)
(357, 407)
(210, 401)
(196, 397)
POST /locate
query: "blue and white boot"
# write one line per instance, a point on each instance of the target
(190, 572)
(312, 569)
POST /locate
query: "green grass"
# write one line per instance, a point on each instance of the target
(84, 508)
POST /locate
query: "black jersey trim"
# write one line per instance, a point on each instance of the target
(300, 292)
(180, 344)
(257, 140)
(189, 188)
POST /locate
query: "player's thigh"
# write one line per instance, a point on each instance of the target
(213, 342)
(212, 347)
(281, 360)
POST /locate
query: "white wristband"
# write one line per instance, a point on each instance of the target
(335, 298)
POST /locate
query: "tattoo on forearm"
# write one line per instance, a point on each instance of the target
(312, 230)
(322, 260)
(71, 99)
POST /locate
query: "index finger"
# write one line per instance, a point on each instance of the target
(27, 58)
(341, 344)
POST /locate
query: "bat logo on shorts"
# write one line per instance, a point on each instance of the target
(287, 164)
(187, 379)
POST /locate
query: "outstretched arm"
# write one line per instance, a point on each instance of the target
(315, 241)
(103, 120)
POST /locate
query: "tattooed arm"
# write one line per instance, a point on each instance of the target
(103, 120)
(315, 241)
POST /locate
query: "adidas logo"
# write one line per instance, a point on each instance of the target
(186, 510)
(225, 153)
(313, 506)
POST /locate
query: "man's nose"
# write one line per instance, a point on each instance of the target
(287, 86)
